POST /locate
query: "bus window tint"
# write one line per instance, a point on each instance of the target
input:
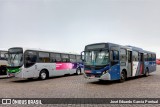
(3, 55)
(135, 56)
(44, 57)
(145, 57)
(65, 57)
(6, 56)
(55, 57)
(123, 55)
(140, 57)
(30, 58)
(115, 55)
(78, 58)
(153, 57)
(72, 58)
(150, 57)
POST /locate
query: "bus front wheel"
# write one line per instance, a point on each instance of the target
(43, 75)
(123, 76)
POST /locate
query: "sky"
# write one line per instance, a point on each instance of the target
(69, 25)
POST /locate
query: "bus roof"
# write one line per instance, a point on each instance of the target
(101, 46)
(149, 52)
(109, 45)
(42, 50)
(3, 51)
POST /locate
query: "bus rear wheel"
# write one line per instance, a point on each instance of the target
(146, 73)
(78, 71)
(123, 77)
(43, 75)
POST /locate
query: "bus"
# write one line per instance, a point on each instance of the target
(35, 63)
(109, 61)
(158, 61)
(3, 62)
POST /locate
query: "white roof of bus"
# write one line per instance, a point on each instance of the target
(3, 50)
(43, 50)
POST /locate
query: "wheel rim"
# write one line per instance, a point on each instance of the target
(122, 76)
(147, 73)
(43, 75)
(78, 72)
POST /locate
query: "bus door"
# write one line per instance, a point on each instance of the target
(141, 65)
(130, 63)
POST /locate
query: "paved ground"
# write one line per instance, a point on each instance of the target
(79, 87)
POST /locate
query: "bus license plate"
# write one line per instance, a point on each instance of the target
(92, 76)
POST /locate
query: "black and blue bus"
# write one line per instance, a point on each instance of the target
(108, 61)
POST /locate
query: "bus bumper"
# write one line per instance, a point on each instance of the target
(19, 75)
(103, 77)
(106, 76)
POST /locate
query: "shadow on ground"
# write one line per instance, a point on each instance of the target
(105, 82)
(37, 79)
(5, 77)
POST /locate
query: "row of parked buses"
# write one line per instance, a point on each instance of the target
(104, 61)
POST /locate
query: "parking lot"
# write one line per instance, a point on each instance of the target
(78, 87)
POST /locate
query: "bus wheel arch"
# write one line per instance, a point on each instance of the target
(123, 75)
(44, 74)
(78, 71)
(146, 74)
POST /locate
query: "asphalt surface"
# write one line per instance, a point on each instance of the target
(74, 86)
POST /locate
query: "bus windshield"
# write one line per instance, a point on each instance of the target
(15, 58)
(96, 58)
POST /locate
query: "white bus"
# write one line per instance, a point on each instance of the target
(34, 63)
(3, 62)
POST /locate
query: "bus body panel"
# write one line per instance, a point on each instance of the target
(115, 72)
(54, 69)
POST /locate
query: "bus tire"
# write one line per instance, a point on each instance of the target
(123, 77)
(43, 75)
(78, 71)
(146, 73)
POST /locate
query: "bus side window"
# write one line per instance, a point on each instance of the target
(140, 57)
(153, 57)
(30, 58)
(150, 57)
(78, 58)
(145, 57)
(114, 57)
(65, 58)
(129, 56)
(135, 56)
(123, 55)
(3, 55)
(44, 57)
(72, 58)
(55, 57)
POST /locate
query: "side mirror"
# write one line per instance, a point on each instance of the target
(82, 56)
